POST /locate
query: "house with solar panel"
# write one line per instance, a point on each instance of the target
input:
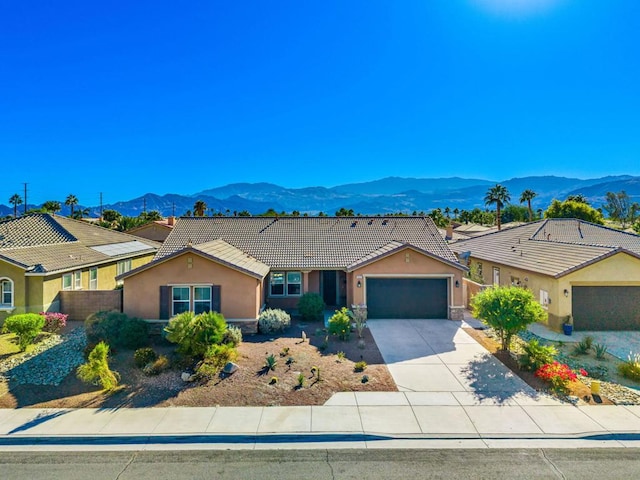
(42, 257)
(580, 272)
(400, 267)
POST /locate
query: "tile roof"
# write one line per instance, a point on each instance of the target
(45, 244)
(222, 251)
(553, 247)
(309, 242)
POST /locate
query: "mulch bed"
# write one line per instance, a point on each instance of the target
(577, 388)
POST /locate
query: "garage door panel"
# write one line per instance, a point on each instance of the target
(606, 308)
(407, 297)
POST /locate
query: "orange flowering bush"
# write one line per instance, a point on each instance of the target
(559, 375)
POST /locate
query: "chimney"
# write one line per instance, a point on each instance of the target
(171, 220)
(449, 235)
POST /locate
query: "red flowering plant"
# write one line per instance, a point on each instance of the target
(53, 321)
(559, 375)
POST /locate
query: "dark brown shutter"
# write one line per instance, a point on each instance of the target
(215, 298)
(165, 302)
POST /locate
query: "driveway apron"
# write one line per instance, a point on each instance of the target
(438, 356)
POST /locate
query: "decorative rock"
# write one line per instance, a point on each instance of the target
(187, 377)
(230, 368)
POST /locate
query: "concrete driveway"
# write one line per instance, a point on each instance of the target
(438, 356)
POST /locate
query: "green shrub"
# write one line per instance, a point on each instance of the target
(273, 320)
(232, 335)
(117, 329)
(311, 306)
(631, 368)
(536, 355)
(215, 358)
(301, 380)
(340, 324)
(360, 366)
(581, 348)
(158, 366)
(144, 356)
(194, 334)
(25, 326)
(601, 350)
(96, 371)
(270, 362)
(507, 310)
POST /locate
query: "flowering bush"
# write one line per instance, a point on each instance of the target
(53, 321)
(559, 375)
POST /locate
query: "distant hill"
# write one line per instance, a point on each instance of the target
(387, 195)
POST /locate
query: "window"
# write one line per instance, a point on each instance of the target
(181, 300)
(496, 276)
(67, 281)
(123, 266)
(6, 293)
(77, 280)
(276, 281)
(93, 279)
(201, 299)
(544, 298)
(294, 283)
(479, 267)
(285, 284)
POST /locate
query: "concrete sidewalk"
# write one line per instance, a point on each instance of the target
(358, 420)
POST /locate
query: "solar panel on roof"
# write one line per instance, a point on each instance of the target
(115, 249)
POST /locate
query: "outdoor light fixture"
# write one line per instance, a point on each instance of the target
(359, 284)
(566, 292)
(457, 284)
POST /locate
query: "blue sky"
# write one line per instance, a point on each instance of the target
(127, 98)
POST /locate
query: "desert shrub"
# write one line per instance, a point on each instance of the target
(54, 321)
(631, 368)
(559, 375)
(215, 358)
(359, 315)
(117, 329)
(340, 324)
(301, 380)
(232, 335)
(26, 326)
(508, 310)
(536, 355)
(270, 362)
(311, 306)
(96, 371)
(158, 366)
(600, 349)
(360, 366)
(273, 320)
(144, 356)
(195, 333)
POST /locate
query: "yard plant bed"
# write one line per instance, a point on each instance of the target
(251, 385)
(612, 390)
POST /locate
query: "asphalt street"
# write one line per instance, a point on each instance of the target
(461, 464)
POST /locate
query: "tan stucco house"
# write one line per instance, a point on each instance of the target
(157, 230)
(42, 255)
(577, 270)
(400, 267)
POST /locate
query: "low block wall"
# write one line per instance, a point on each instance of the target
(470, 290)
(79, 304)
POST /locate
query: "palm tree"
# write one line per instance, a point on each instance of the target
(447, 212)
(71, 201)
(15, 200)
(456, 212)
(199, 208)
(527, 196)
(52, 206)
(498, 195)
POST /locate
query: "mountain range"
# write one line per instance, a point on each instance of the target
(383, 196)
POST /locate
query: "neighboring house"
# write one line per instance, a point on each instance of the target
(157, 230)
(41, 255)
(400, 267)
(574, 268)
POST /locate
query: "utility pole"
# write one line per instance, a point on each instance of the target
(173, 209)
(25, 198)
(100, 206)
(144, 204)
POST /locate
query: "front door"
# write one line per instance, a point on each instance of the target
(329, 287)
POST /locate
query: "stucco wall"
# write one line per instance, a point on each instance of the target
(15, 274)
(407, 262)
(152, 231)
(240, 293)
